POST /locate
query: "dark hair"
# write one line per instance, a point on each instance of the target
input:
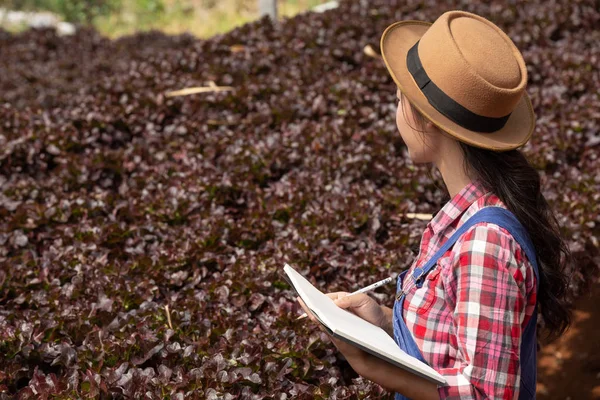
(509, 176)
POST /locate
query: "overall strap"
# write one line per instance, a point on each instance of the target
(493, 214)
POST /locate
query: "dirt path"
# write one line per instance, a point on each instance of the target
(570, 367)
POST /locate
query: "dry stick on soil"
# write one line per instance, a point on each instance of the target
(424, 217)
(168, 316)
(368, 50)
(212, 87)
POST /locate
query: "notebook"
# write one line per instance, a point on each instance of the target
(349, 327)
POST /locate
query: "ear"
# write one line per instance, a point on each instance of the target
(430, 126)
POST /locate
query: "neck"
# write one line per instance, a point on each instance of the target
(450, 163)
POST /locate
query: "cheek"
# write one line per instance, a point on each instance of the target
(414, 144)
(400, 121)
(404, 129)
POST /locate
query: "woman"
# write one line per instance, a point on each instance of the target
(468, 305)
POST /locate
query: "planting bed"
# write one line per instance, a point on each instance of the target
(141, 236)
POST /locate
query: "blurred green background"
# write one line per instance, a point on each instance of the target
(113, 18)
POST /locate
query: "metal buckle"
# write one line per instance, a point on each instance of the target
(418, 280)
(399, 295)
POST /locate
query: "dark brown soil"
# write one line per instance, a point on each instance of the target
(569, 368)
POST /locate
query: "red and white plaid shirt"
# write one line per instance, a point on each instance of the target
(468, 316)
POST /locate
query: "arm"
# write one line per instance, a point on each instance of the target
(489, 306)
(395, 379)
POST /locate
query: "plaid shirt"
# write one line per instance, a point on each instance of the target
(468, 316)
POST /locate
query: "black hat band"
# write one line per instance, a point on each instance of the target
(446, 105)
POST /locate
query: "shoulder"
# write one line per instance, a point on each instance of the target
(490, 240)
(489, 248)
(487, 237)
(484, 236)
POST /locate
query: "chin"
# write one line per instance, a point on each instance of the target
(421, 156)
(416, 158)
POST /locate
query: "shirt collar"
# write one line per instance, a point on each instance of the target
(456, 206)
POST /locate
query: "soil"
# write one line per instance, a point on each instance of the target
(569, 368)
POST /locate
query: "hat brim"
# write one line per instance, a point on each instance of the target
(396, 40)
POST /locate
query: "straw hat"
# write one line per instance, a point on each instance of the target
(465, 75)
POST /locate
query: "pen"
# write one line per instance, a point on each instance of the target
(363, 290)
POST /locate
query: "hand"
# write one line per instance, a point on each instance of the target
(362, 305)
(355, 356)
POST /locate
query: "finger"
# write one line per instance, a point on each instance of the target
(299, 300)
(306, 309)
(303, 304)
(333, 340)
(336, 295)
(354, 301)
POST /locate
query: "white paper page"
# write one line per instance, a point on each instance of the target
(312, 296)
(353, 327)
(382, 343)
(336, 318)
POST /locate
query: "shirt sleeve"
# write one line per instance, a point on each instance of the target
(488, 295)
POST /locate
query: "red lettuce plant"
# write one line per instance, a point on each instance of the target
(142, 236)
